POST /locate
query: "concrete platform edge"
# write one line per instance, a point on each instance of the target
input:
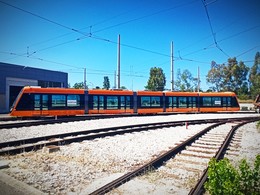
(11, 186)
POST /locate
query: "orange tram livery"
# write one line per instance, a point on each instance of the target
(36, 101)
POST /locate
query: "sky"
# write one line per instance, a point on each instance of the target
(70, 35)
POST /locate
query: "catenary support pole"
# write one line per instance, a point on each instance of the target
(118, 64)
(172, 68)
(85, 78)
(198, 79)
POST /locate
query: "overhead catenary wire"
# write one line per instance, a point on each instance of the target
(134, 19)
(226, 26)
(94, 71)
(212, 46)
(41, 17)
(81, 29)
(248, 50)
(210, 24)
(138, 48)
(211, 28)
(89, 34)
(146, 16)
(40, 59)
(239, 33)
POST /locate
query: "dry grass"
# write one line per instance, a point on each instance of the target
(258, 126)
(245, 101)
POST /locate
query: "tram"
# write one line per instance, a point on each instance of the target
(36, 101)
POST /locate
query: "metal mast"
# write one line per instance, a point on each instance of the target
(115, 80)
(118, 63)
(172, 68)
(198, 79)
(85, 80)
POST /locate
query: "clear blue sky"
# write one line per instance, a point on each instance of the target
(55, 35)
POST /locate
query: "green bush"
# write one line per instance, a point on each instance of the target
(258, 124)
(223, 178)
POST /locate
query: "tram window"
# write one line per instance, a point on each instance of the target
(207, 101)
(45, 102)
(192, 102)
(150, 101)
(229, 101)
(216, 101)
(170, 103)
(224, 101)
(73, 100)
(25, 102)
(101, 102)
(125, 102)
(95, 102)
(234, 102)
(122, 102)
(155, 101)
(112, 102)
(58, 100)
(128, 102)
(145, 102)
(174, 102)
(37, 102)
(189, 104)
(183, 102)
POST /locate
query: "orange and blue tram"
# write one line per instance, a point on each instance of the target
(36, 101)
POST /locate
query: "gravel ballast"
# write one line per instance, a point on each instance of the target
(80, 168)
(161, 181)
(43, 130)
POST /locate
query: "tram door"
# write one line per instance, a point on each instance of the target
(225, 103)
(40, 104)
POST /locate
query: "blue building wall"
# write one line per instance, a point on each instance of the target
(26, 73)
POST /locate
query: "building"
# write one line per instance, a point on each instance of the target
(14, 77)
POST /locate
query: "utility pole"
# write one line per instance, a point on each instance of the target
(198, 79)
(118, 63)
(132, 74)
(85, 78)
(172, 68)
(115, 80)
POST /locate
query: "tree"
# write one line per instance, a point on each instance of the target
(240, 83)
(185, 81)
(106, 83)
(215, 76)
(78, 85)
(230, 77)
(157, 80)
(254, 77)
(236, 76)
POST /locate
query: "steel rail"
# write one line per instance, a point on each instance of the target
(199, 187)
(18, 146)
(156, 162)
(51, 120)
(23, 145)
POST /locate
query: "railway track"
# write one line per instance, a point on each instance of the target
(211, 142)
(199, 189)
(10, 122)
(24, 145)
(51, 120)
